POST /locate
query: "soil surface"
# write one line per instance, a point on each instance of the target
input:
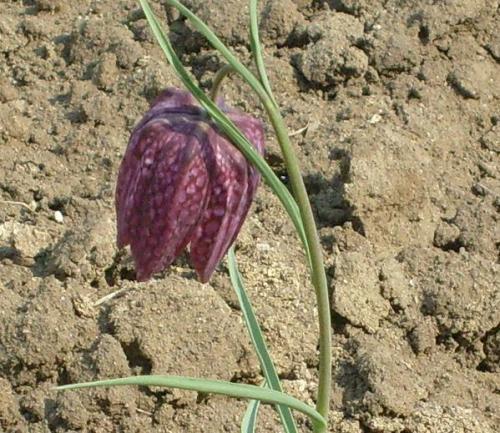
(396, 105)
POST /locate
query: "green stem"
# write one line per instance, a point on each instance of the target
(217, 81)
(300, 194)
(311, 232)
(256, 50)
(317, 267)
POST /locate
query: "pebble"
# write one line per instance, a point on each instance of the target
(375, 119)
(58, 216)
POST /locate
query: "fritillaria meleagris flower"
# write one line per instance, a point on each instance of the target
(182, 182)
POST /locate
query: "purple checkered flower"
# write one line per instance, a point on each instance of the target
(182, 182)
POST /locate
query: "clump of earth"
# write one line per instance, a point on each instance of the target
(396, 105)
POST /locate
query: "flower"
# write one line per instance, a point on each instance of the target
(182, 182)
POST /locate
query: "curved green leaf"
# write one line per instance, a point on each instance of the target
(258, 341)
(208, 386)
(212, 38)
(249, 421)
(257, 51)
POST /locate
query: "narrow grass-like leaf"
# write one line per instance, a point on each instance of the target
(249, 421)
(257, 51)
(212, 38)
(208, 386)
(225, 124)
(258, 341)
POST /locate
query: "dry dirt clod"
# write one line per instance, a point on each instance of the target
(279, 20)
(333, 56)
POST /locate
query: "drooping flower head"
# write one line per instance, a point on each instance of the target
(181, 182)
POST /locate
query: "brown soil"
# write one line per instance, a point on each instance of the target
(400, 156)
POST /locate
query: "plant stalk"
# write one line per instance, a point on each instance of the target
(317, 266)
(217, 81)
(318, 275)
(315, 255)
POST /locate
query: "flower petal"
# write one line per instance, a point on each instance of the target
(253, 130)
(250, 126)
(164, 192)
(175, 99)
(233, 182)
(169, 101)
